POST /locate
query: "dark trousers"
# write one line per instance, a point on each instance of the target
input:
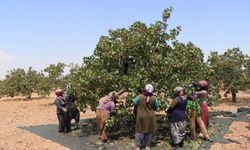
(64, 122)
(77, 116)
(143, 137)
(74, 113)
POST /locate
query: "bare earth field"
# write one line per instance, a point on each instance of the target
(239, 131)
(18, 111)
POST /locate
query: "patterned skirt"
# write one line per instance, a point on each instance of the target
(178, 131)
(141, 138)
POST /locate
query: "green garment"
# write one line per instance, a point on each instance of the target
(145, 114)
(193, 106)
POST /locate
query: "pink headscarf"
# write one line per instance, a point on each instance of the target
(202, 83)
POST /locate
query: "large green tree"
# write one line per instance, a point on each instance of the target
(130, 58)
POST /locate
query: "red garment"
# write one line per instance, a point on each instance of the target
(204, 114)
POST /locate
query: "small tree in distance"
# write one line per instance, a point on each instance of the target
(231, 70)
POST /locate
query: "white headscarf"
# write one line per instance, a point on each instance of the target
(178, 89)
(149, 88)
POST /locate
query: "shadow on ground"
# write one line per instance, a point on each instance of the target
(76, 140)
(85, 137)
(222, 120)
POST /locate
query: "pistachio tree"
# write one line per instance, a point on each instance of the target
(231, 70)
(130, 58)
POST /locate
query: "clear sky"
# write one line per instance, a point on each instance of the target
(41, 32)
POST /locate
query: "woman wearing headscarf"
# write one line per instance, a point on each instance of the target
(193, 111)
(61, 111)
(203, 96)
(104, 109)
(177, 117)
(145, 106)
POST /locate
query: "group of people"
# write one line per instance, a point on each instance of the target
(66, 110)
(192, 108)
(145, 106)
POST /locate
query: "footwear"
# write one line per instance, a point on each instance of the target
(200, 135)
(181, 144)
(175, 145)
(147, 148)
(67, 131)
(210, 140)
(104, 141)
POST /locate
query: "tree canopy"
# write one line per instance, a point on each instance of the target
(130, 58)
(232, 70)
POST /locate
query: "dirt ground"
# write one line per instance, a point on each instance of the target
(238, 131)
(18, 111)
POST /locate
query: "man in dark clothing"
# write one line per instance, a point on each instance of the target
(62, 112)
(73, 111)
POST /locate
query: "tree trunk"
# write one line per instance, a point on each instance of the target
(233, 91)
(227, 92)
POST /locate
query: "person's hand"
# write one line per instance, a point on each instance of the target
(64, 109)
(112, 113)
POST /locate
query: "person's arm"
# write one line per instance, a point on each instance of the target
(200, 93)
(173, 103)
(136, 100)
(58, 104)
(156, 104)
(112, 107)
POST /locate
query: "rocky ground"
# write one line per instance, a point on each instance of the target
(18, 111)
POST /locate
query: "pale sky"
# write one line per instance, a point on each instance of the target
(38, 33)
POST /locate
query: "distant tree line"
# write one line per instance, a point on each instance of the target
(25, 82)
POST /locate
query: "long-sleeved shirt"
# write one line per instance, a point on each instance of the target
(145, 113)
(60, 103)
(177, 108)
(137, 100)
(105, 103)
(202, 96)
